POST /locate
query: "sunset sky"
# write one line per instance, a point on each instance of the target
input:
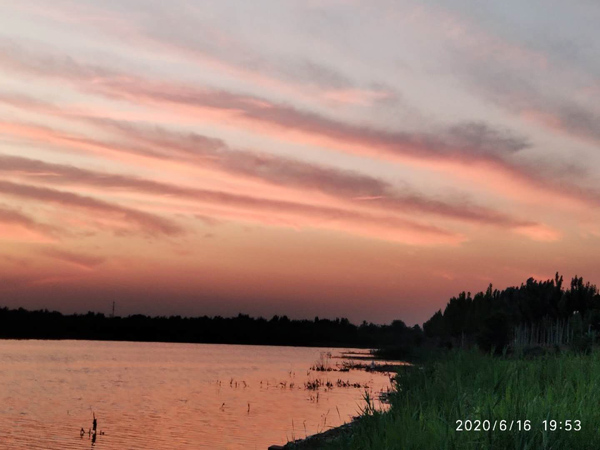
(341, 158)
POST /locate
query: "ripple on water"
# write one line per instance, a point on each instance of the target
(167, 396)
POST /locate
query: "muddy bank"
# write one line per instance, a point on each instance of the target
(317, 441)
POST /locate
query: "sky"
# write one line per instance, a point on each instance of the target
(341, 158)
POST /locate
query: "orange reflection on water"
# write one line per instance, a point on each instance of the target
(165, 396)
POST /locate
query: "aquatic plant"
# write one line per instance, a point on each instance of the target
(468, 385)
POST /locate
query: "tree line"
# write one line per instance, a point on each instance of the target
(243, 329)
(536, 312)
(544, 311)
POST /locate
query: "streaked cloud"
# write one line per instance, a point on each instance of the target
(87, 262)
(147, 222)
(376, 157)
(19, 226)
(362, 223)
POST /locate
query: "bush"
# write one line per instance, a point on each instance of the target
(582, 344)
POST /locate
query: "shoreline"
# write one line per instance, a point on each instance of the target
(140, 341)
(316, 441)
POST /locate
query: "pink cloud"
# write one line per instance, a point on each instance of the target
(540, 233)
(17, 226)
(86, 262)
(147, 222)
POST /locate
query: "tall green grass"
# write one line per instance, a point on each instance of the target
(470, 385)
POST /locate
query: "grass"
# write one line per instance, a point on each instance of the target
(469, 385)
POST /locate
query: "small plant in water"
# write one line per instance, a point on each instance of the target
(323, 364)
(369, 408)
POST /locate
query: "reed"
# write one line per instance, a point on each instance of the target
(462, 385)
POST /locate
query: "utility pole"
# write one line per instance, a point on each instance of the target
(113, 311)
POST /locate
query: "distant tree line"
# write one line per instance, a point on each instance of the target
(243, 329)
(537, 312)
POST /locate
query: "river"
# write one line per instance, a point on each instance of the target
(171, 396)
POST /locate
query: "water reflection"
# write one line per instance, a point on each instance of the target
(188, 396)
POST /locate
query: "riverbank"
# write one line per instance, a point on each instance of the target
(320, 440)
(467, 399)
(336, 434)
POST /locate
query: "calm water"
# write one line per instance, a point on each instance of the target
(168, 396)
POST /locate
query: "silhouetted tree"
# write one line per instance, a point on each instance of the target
(490, 316)
(243, 329)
